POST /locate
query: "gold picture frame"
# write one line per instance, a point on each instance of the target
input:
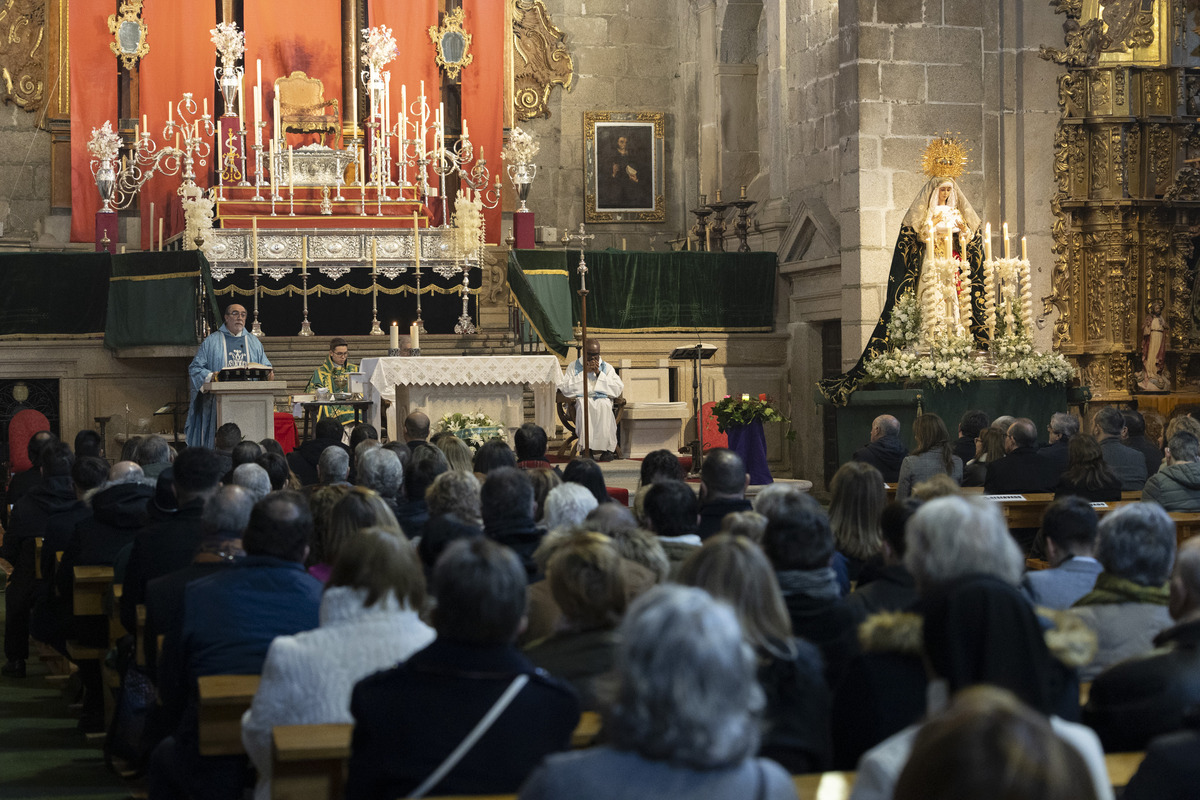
(129, 33)
(451, 44)
(623, 156)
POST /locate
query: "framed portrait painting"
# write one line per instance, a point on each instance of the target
(623, 166)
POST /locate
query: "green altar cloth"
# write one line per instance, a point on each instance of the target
(634, 292)
(153, 298)
(53, 294)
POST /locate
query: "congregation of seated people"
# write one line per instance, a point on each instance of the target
(462, 607)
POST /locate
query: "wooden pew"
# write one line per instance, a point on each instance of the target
(1187, 525)
(223, 700)
(1121, 767)
(824, 785)
(308, 762)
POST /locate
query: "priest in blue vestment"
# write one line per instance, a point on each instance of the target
(229, 346)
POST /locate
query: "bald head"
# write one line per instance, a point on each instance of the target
(125, 472)
(884, 425)
(416, 427)
(1185, 582)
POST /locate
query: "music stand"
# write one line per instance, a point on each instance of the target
(696, 353)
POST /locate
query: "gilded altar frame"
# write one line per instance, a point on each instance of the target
(623, 154)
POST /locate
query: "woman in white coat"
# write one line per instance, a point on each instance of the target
(369, 622)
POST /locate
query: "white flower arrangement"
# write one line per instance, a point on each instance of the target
(474, 429)
(521, 147)
(1016, 359)
(104, 144)
(468, 221)
(947, 363)
(229, 41)
(198, 220)
(904, 326)
(379, 46)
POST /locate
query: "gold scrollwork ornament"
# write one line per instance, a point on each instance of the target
(451, 44)
(540, 61)
(129, 32)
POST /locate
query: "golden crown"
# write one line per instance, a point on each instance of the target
(945, 157)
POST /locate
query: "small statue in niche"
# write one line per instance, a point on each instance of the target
(1153, 377)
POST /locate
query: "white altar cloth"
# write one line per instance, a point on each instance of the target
(441, 385)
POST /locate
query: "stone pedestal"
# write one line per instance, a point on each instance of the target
(248, 404)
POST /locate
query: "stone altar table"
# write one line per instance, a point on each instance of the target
(441, 385)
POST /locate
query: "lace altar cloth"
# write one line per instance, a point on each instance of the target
(432, 372)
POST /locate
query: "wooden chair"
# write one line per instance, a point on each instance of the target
(308, 762)
(566, 415)
(302, 105)
(223, 700)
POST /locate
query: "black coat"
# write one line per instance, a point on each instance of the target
(1170, 771)
(304, 459)
(1021, 471)
(1147, 448)
(797, 712)
(159, 548)
(713, 512)
(882, 588)
(1058, 453)
(409, 718)
(830, 625)
(1135, 700)
(885, 455)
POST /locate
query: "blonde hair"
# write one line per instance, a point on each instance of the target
(360, 509)
(587, 581)
(457, 452)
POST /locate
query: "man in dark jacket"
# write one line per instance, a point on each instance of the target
(1126, 463)
(507, 505)
(885, 451)
(1135, 437)
(1062, 428)
(230, 619)
(54, 495)
(304, 459)
(723, 482)
(1021, 470)
(1135, 700)
(425, 707)
(425, 463)
(169, 543)
(972, 422)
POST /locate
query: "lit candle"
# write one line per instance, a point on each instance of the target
(1004, 235)
(414, 337)
(394, 338)
(254, 243)
(1024, 254)
(987, 242)
(303, 255)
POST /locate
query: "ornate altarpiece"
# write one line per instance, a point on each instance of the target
(1127, 205)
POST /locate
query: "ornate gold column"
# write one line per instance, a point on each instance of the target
(1126, 206)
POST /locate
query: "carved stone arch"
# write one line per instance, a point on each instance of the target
(813, 235)
(810, 260)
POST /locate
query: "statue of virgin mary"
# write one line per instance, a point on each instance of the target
(939, 257)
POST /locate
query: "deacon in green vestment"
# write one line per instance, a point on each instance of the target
(334, 375)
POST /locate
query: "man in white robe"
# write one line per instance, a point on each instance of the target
(229, 346)
(604, 385)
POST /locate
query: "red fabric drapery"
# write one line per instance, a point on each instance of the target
(181, 59)
(409, 23)
(93, 100)
(483, 91)
(289, 37)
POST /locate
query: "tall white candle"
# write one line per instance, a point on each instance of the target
(414, 337)
(1024, 254)
(1004, 235)
(987, 242)
(257, 107)
(160, 234)
(394, 338)
(220, 161)
(278, 132)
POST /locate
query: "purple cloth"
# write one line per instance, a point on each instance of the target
(321, 572)
(749, 442)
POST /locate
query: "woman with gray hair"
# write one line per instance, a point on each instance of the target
(685, 718)
(567, 505)
(883, 688)
(1129, 605)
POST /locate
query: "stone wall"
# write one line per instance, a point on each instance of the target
(24, 174)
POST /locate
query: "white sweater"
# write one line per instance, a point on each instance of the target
(308, 678)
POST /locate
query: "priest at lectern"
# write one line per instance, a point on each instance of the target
(604, 384)
(229, 346)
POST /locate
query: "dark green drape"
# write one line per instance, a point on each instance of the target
(153, 298)
(644, 291)
(53, 294)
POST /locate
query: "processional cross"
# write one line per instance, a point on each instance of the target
(583, 238)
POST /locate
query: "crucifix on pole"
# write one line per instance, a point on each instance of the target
(585, 440)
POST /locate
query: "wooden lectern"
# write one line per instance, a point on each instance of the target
(249, 404)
